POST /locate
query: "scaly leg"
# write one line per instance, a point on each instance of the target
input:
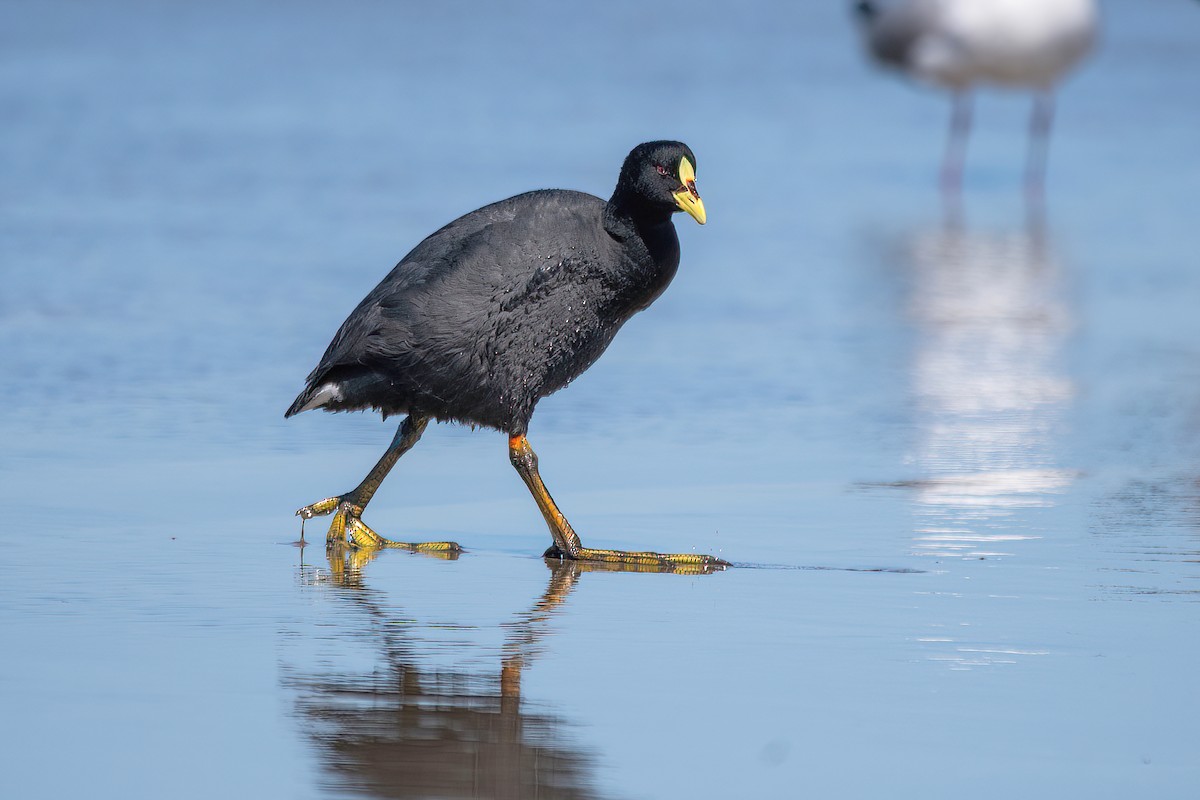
(566, 542)
(347, 527)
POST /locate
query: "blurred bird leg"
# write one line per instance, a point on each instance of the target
(1040, 121)
(956, 146)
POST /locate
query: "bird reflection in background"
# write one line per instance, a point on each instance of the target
(990, 389)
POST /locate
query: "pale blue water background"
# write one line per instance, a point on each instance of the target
(193, 197)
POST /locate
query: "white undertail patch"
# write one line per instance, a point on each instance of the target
(328, 393)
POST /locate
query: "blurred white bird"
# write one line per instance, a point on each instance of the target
(957, 44)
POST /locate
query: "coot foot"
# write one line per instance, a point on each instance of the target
(640, 560)
(566, 541)
(348, 529)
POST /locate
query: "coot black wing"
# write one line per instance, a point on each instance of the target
(433, 324)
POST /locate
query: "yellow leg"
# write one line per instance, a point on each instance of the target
(566, 542)
(347, 527)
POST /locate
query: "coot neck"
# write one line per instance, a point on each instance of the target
(643, 228)
(628, 215)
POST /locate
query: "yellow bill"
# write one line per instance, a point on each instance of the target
(687, 198)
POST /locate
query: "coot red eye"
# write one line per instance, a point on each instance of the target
(661, 169)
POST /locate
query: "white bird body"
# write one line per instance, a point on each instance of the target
(959, 44)
(1015, 43)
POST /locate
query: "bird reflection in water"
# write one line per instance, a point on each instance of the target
(409, 728)
(990, 397)
(990, 391)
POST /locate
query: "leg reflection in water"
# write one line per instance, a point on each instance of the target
(426, 721)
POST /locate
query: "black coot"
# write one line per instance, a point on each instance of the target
(497, 310)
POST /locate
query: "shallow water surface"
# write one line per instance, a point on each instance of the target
(956, 467)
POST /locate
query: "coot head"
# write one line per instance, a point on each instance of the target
(660, 177)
